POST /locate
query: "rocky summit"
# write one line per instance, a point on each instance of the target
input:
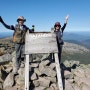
(42, 72)
(75, 76)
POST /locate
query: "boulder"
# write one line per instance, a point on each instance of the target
(34, 65)
(1, 86)
(44, 63)
(5, 58)
(85, 87)
(54, 86)
(68, 86)
(33, 76)
(36, 83)
(37, 71)
(44, 82)
(40, 88)
(52, 66)
(9, 81)
(48, 71)
(52, 79)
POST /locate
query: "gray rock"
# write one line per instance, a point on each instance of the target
(36, 70)
(9, 81)
(19, 81)
(52, 79)
(54, 86)
(12, 88)
(14, 54)
(41, 67)
(44, 57)
(76, 87)
(21, 73)
(44, 63)
(87, 72)
(1, 86)
(37, 59)
(44, 82)
(5, 58)
(9, 69)
(85, 87)
(52, 66)
(33, 76)
(71, 63)
(34, 65)
(68, 86)
(49, 72)
(36, 83)
(40, 88)
(50, 88)
(79, 72)
(69, 76)
(77, 80)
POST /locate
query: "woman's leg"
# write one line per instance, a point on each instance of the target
(59, 52)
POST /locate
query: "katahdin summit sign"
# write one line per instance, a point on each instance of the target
(41, 42)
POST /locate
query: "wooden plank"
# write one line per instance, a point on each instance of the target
(60, 85)
(41, 43)
(27, 73)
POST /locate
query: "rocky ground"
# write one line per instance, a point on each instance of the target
(75, 76)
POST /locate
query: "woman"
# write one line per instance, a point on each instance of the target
(59, 34)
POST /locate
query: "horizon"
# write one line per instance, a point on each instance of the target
(11, 31)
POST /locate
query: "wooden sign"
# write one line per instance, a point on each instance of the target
(40, 43)
(44, 42)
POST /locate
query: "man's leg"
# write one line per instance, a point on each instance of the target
(18, 55)
(22, 55)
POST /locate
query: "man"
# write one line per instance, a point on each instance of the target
(18, 38)
(59, 33)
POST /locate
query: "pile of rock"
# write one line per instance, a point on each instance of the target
(6, 46)
(42, 71)
(43, 76)
(76, 76)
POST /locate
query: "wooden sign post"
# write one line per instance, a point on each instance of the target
(41, 42)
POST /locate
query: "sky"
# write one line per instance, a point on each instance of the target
(44, 13)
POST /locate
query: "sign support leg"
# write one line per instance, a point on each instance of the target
(27, 73)
(60, 85)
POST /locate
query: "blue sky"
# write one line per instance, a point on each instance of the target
(44, 13)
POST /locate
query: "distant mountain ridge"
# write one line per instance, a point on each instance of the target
(81, 38)
(71, 51)
(5, 34)
(75, 52)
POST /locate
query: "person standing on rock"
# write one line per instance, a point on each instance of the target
(18, 38)
(59, 34)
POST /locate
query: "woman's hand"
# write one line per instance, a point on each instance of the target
(66, 18)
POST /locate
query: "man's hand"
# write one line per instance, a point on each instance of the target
(33, 28)
(1, 20)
